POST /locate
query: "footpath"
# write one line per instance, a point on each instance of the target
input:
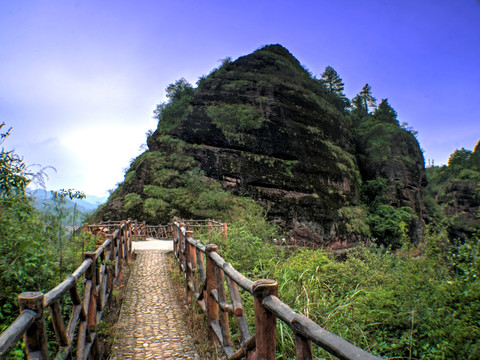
(150, 322)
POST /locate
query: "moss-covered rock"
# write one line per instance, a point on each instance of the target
(262, 127)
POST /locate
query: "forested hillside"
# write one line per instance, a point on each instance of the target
(453, 193)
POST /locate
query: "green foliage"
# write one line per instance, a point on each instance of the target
(173, 112)
(345, 162)
(367, 98)
(363, 101)
(454, 190)
(395, 305)
(26, 254)
(131, 201)
(391, 225)
(378, 138)
(333, 83)
(248, 245)
(13, 171)
(179, 89)
(232, 118)
(459, 158)
(130, 176)
(355, 219)
(154, 206)
(385, 113)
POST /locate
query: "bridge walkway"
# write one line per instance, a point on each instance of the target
(150, 323)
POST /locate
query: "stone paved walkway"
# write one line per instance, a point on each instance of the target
(150, 322)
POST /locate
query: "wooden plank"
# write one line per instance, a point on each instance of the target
(82, 269)
(235, 295)
(217, 331)
(212, 305)
(249, 345)
(72, 323)
(12, 335)
(243, 327)
(58, 324)
(232, 272)
(58, 291)
(223, 318)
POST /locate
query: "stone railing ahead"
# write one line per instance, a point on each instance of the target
(206, 280)
(94, 278)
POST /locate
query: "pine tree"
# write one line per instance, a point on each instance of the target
(385, 113)
(332, 81)
(364, 99)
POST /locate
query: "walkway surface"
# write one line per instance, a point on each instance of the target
(150, 323)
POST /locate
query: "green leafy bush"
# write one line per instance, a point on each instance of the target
(233, 118)
(131, 201)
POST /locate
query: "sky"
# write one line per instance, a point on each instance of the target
(79, 79)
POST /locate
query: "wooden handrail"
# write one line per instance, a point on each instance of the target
(207, 283)
(99, 271)
(208, 287)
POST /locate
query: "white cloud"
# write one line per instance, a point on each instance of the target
(102, 152)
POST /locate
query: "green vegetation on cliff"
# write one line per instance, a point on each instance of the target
(453, 193)
(263, 127)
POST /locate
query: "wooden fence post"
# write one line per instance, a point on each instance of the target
(265, 321)
(111, 264)
(223, 316)
(225, 231)
(212, 306)
(188, 266)
(129, 241)
(176, 240)
(91, 275)
(303, 348)
(36, 335)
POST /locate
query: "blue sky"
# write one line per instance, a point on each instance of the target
(79, 80)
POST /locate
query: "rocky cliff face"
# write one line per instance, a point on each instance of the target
(385, 150)
(262, 126)
(295, 155)
(456, 189)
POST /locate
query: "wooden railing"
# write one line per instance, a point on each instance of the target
(141, 230)
(95, 278)
(206, 282)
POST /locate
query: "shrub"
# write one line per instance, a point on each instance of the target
(235, 118)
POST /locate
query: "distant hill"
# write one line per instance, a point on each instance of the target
(87, 205)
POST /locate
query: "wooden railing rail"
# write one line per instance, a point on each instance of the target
(208, 281)
(213, 226)
(95, 276)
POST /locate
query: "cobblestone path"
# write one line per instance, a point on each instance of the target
(150, 323)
